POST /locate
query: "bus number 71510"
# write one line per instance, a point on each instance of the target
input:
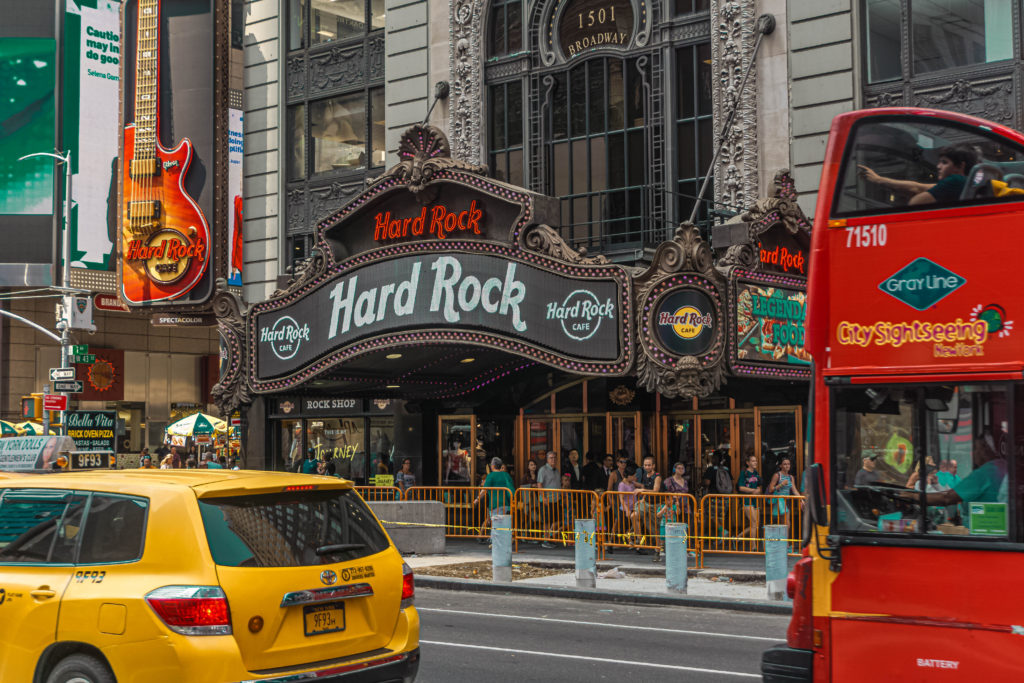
(867, 236)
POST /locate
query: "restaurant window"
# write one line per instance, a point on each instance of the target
(290, 452)
(680, 7)
(929, 460)
(382, 446)
(694, 126)
(346, 132)
(505, 126)
(506, 28)
(944, 34)
(340, 441)
(318, 22)
(596, 153)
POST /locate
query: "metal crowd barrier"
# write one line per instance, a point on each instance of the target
(549, 515)
(377, 494)
(467, 508)
(734, 523)
(717, 523)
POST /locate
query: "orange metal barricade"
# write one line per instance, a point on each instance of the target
(633, 520)
(549, 515)
(376, 494)
(467, 508)
(735, 523)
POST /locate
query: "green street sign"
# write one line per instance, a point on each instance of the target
(80, 349)
(84, 358)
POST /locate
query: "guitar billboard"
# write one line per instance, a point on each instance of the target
(174, 167)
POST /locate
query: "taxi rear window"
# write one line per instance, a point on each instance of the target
(294, 529)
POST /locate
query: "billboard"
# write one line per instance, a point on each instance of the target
(27, 125)
(92, 57)
(173, 180)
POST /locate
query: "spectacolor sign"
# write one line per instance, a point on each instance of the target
(509, 303)
(922, 283)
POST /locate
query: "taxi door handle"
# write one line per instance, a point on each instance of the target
(41, 593)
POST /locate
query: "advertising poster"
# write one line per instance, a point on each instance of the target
(93, 430)
(235, 155)
(26, 125)
(92, 60)
(770, 324)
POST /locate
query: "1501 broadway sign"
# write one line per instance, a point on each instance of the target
(519, 305)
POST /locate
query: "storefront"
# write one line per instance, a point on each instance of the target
(443, 318)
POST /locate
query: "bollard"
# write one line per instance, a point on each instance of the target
(586, 553)
(675, 557)
(775, 564)
(501, 548)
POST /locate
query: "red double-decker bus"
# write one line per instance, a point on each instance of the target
(913, 564)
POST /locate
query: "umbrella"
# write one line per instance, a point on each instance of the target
(8, 429)
(199, 423)
(30, 428)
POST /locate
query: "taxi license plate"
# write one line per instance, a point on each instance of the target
(326, 618)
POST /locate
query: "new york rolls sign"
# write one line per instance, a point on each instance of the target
(519, 306)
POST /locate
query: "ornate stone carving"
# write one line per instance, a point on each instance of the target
(689, 256)
(232, 390)
(513, 67)
(295, 79)
(465, 49)
(324, 201)
(885, 99)
(305, 271)
(337, 68)
(375, 58)
(423, 150)
(544, 239)
(990, 99)
(733, 34)
(296, 211)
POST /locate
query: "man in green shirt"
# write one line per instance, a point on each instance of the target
(984, 484)
(498, 501)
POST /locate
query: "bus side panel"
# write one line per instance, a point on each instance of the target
(873, 651)
(958, 586)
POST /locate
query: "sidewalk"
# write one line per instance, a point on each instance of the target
(726, 581)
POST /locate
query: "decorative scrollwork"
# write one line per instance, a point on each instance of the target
(780, 208)
(742, 255)
(423, 151)
(544, 239)
(465, 51)
(306, 271)
(232, 391)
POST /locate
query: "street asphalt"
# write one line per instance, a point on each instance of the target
(493, 637)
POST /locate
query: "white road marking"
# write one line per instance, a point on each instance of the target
(597, 623)
(596, 660)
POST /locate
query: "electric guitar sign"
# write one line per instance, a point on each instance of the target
(165, 238)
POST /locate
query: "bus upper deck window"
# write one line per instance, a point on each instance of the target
(907, 163)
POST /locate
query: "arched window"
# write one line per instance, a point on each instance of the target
(506, 28)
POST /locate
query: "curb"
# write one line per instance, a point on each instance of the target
(663, 599)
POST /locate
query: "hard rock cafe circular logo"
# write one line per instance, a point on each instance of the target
(102, 375)
(684, 322)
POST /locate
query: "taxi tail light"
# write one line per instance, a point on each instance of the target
(800, 634)
(408, 588)
(192, 610)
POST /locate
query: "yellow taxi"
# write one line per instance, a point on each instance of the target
(199, 575)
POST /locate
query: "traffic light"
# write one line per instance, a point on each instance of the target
(32, 407)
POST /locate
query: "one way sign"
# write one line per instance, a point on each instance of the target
(57, 374)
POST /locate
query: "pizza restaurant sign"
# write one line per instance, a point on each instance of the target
(578, 318)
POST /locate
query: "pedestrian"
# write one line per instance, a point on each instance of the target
(594, 476)
(161, 451)
(175, 458)
(191, 464)
(223, 461)
(781, 485)
(670, 509)
(211, 463)
(166, 463)
(749, 482)
(146, 462)
(498, 501)
(648, 482)
(404, 478)
(574, 470)
(309, 464)
(627, 503)
(548, 478)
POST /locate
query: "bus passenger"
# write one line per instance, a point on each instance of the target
(985, 483)
(955, 162)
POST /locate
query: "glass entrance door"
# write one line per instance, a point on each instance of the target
(456, 444)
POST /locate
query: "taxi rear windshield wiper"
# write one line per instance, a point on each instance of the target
(339, 548)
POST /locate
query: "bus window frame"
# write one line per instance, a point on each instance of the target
(909, 210)
(846, 537)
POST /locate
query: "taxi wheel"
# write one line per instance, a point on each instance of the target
(80, 669)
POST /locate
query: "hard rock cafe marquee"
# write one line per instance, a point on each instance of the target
(434, 254)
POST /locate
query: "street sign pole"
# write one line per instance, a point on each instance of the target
(46, 413)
